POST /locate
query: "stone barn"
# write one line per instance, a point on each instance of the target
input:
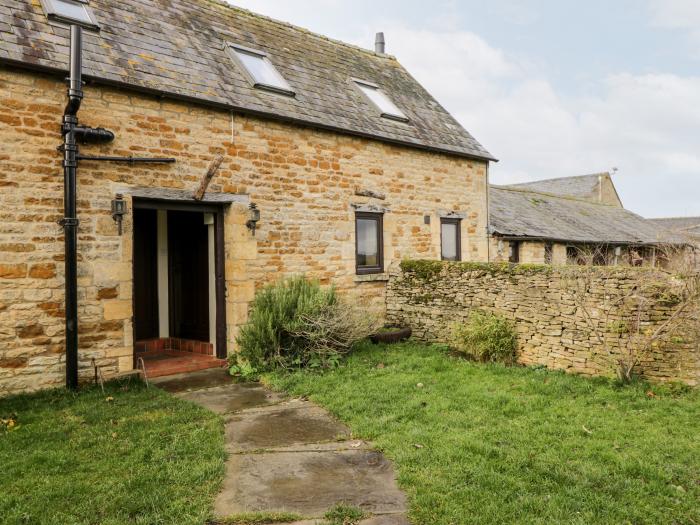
(327, 160)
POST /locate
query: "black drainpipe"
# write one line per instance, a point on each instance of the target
(72, 134)
(70, 219)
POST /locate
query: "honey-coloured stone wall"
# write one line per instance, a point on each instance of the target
(306, 182)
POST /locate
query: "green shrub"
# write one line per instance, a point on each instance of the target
(485, 337)
(297, 323)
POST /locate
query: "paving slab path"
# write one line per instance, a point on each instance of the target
(289, 455)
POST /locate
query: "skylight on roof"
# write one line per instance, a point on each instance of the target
(71, 12)
(381, 100)
(261, 71)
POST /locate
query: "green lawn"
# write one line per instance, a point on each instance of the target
(489, 444)
(128, 456)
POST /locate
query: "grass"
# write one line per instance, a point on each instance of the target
(484, 444)
(130, 455)
(344, 515)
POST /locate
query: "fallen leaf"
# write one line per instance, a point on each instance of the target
(356, 444)
(589, 432)
(381, 365)
(417, 445)
(651, 394)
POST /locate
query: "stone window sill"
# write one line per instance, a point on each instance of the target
(372, 278)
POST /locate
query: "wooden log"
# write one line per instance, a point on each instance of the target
(213, 168)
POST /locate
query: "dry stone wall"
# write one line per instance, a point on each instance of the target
(546, 305)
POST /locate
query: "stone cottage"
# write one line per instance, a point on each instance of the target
(573, 220)
(334, 162)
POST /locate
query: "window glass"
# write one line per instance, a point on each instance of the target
(384, 103)
(262, 70)
(367, 242)
(450, 241)
(369, 254)
(70, 11)
(514, 256)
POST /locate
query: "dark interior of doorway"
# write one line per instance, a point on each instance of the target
(187, 346)
(188, 275)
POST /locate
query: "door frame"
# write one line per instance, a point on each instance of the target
(219, 257)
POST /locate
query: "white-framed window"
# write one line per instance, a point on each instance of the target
(380, 99)
(71, 12)
(260, 70)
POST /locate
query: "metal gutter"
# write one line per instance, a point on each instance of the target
(570, 241)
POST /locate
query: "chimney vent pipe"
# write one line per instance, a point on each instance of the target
(380, 44)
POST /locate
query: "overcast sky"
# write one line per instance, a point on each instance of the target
(550, 87)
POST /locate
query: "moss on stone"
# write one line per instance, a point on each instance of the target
(425, 269)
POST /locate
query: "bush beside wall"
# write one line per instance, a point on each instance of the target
(431, 296)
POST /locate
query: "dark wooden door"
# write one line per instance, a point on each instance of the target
(188, 254)
(145, 274)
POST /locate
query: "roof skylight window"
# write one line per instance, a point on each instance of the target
(260, 71)
(381, 100)
(71, 12)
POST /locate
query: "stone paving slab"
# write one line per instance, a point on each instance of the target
(282, 426)
(386, 519)
(233, 398)
(335, 446)
(194, 380)
(309, 483)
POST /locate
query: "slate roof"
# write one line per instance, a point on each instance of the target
(177, 48)
(690, 224)
(581, 186)
(687, 228)
(520, 213)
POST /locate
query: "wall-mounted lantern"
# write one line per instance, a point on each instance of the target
(118, 210)
(253, 217)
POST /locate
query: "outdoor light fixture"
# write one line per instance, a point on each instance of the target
(253, 217)
(118, 210)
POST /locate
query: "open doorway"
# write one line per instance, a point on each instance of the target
(178, 288)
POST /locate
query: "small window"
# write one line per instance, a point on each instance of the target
(369, 252)
(383, 102)
(548, 253)
(261, 71)
(450, 233)
(514, 255)
(71, 12)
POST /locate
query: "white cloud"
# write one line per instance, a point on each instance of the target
(683, 15)
(675, 13)
(646, 125)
